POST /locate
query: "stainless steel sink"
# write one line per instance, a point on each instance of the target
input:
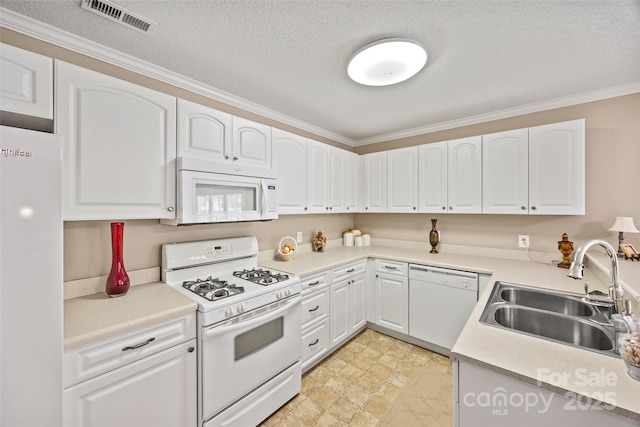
(549, 315)
(558, 303)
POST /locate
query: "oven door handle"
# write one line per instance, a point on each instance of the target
(257, 318)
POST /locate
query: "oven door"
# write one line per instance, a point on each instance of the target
(240, 354)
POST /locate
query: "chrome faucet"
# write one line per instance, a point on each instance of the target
(576, 271)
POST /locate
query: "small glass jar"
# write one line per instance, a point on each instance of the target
(629, 349)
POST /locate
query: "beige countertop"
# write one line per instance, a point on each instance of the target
(526, 358)
(93, 317)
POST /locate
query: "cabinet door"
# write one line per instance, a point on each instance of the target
(374, 178)
(392, 302)
(290, 160)
(159, 390)
(505, 172)
(26, 86)
(251, 153)
(358, 306)
(432, 177)
(317, 183)
(557, 169)
(353, 182)
(204, 133)
(119, 147)
(464, 175)
(337, 178)
(339, 319)
(402, 180)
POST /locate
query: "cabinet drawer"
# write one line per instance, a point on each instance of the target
(315, 306)
(83, 363)
(349, 270)
(313, 283)
(392, 267)
(315, 344)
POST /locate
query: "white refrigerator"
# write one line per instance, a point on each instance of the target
(31, 295)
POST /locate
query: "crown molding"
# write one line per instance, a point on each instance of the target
(551, 104)
(47, 33)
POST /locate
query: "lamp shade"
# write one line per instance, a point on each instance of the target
(386, 62)
(624, 224)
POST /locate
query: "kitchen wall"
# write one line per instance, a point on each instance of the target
(87, 244)
(612, 184)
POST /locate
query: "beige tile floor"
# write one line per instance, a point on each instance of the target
(373, 380)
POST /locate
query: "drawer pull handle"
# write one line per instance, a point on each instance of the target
(315, 342)
(142, 344)
(314, 309)
(317, 282)
(351, 270)
(389, 267)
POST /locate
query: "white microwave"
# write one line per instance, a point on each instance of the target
(206, 197)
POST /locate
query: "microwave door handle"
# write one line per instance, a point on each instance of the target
(254, 320)
(263, 211)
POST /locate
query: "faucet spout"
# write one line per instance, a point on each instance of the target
(576, 270)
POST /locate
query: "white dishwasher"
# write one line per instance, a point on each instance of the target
(440, 301)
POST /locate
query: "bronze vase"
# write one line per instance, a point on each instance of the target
(434, 237)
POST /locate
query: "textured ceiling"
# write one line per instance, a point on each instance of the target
(291, 56)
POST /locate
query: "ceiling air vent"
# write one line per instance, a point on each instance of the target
(119, 14)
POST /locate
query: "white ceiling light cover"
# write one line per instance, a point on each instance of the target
(387, 62)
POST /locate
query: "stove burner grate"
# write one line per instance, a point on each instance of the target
(261, 276)
(212, 289)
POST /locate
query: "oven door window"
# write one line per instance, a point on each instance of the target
(258, 338)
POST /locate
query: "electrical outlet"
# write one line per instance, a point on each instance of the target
(523, 241)
(299, 237)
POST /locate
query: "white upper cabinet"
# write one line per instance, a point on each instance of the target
(505, 172)
(318, 185)
(402, 180)
(204, 133)
(290, 160)
(337, 176)
(557, 168)
(119, 147)
(374, 179)
(234, 145)
(353, 182)
(432, 178)
(464, 175)
(251, 153)
(26, 82)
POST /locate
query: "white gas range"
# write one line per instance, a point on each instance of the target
(249, 342)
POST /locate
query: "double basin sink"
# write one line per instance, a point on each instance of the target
(555, 316)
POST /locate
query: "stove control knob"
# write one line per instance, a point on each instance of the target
(287, 292)
(228, 312)
(279, 295)
(240, 308)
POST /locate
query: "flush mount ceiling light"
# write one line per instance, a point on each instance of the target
(387, 62)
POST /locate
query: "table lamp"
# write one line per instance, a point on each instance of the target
(623, 224)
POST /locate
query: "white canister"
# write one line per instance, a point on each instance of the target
(347, 238)
(356, 231)
(366, 239)
(358, 240)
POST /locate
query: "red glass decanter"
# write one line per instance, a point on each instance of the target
(118, 280)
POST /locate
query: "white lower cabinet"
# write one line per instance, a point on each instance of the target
(347, 304)
(392, 296)
(315, 320)
(142, 378)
